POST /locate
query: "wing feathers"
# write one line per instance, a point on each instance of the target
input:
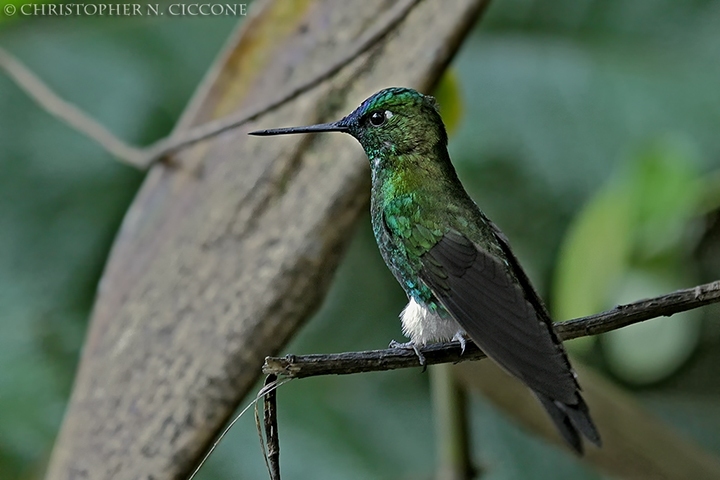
(494, 302)
(480, 292)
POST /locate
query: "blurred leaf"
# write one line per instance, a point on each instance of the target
(594, 254)
(666, 192)
(710, 194)
(447, 93)
(593, 258)
(640, 217)
(647, 352)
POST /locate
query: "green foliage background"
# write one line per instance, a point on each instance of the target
(589, 133)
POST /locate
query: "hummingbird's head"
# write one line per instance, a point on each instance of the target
(397, 121)
(393, 122)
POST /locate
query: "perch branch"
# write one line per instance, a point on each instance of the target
(299, 366)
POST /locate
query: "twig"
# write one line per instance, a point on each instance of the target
(268, 388)
(271, 430)
(268, 431)
(216, 127)
(624, 315)
(261, 436)
(69, 113)
(300, 366)
(143, 158)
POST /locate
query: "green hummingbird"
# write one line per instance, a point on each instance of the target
(456, 267)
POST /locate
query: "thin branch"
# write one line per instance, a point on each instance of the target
(300, 366)
(268, 387)
(68, 113)
(268, 431)
(143, 158)
(271, 430)
(624, 315)
(216, 127)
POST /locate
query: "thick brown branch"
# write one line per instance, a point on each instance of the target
(390, 359)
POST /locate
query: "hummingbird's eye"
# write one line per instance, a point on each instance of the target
(377, 118)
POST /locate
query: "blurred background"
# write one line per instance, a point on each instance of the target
(588, 130)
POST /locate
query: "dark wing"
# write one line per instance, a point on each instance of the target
(480, 292)
(494, 302)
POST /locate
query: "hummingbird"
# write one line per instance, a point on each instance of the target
(455, 265)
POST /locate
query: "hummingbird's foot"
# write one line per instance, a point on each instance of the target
(410, 346)
(460, 337)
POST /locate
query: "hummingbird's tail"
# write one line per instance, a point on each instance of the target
(571, 421)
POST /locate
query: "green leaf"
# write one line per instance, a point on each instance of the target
(593, 256)
(650, 351)
(640, 217)
(666, 192)
(448, 95)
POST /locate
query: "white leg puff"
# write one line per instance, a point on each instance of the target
(423, 326)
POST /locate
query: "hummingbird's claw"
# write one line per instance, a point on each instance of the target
(413, 347)
(460, 337)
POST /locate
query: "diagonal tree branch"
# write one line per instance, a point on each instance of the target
(215, 127)
(389, 359)
(69, 113)
(144, 157)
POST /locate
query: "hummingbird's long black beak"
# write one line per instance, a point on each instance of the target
(322, 127)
